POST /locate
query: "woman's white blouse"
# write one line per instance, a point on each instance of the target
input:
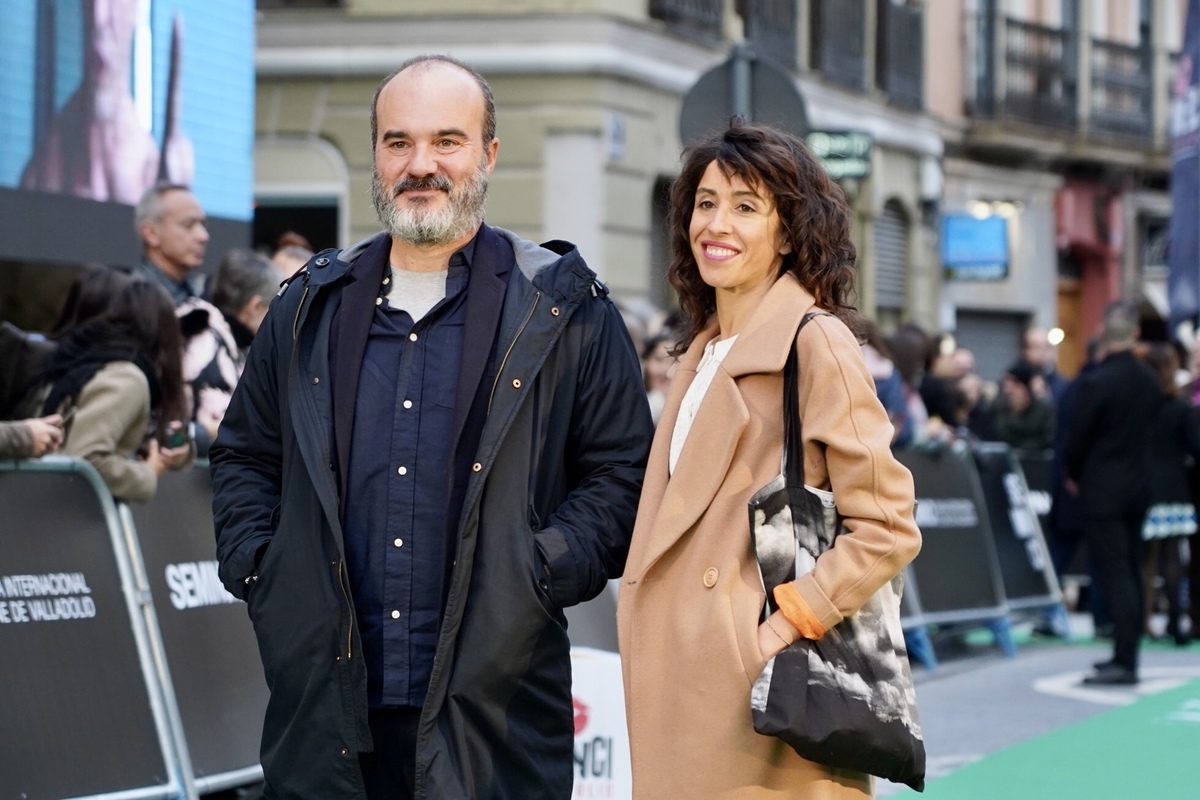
(714, 353)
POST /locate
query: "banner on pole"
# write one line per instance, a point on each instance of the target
(1183, 260)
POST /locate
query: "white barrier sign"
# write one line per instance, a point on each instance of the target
(602, 767)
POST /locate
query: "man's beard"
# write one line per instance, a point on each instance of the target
(418, 224)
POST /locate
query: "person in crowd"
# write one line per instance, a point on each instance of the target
(90, 297)
(437, 446)
(939, 382)
(889, 385)
(760, 237)
(30, 438)
(658, 365)
(1023, 416)
(28, 353)
(292, 252)
(976, 398)
(1037, 351)
(1174, 444)
(1107, 459)
(217, 336)
(1067, 526)
(115, 379)
(174, 234)
(908, 347)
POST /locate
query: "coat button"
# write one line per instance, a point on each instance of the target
(322, 262)
(555, 311)
(710, 577)
(476, 467)
(516, 383)
(345, 752)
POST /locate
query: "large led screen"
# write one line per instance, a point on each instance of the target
(99, 99)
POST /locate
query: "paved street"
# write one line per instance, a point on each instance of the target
(1029, 713)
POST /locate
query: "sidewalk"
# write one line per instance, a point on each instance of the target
(1023, 728)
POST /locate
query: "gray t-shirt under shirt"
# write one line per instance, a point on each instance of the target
(416, 292)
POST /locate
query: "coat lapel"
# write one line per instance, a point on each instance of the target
(708, 453)
(353, 326)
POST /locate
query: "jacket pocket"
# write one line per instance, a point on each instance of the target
(540, 576)
(747, 609)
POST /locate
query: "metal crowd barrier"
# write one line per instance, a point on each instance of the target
(130, 674)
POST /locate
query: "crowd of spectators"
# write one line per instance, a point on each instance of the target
(136, 372)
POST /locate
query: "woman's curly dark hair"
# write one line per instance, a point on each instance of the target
(813, 214)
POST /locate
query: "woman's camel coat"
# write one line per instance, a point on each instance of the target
(691, 598)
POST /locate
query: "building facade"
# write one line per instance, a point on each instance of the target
(588, 96)
(1054, 117)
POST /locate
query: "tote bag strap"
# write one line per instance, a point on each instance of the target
(793, 445)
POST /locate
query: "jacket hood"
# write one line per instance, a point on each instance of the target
(532, 260)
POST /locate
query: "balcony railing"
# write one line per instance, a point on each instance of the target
(696, 17)
(1039, 74)
(900, 53)
(771, 28)
(1121, 89)
(837, 43)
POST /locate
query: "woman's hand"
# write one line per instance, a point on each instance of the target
(47, 434)
(775, 634)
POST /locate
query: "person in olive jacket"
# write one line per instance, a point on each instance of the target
(437, 445)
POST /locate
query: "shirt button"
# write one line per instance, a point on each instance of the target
(402, 471)
(476, 467)
(412, 337)
(395, 615)
(710, 577)
(408, 403)
(399, 543)
(378, 301)
(386, 281)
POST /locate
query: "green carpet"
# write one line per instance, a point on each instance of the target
(1150, 749)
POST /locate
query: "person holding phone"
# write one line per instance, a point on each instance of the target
(117, 383)
(30, 438)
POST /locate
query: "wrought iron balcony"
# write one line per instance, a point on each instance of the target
(1121, 89)
(771, 28)
(694, 17)
(1040, 83)
(900, 53)
(837, 45)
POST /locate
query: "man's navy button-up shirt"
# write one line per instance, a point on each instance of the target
(397, 487)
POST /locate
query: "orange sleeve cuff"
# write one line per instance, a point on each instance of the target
(798, 612)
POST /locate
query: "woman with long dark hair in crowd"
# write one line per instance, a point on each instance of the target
(760, 238)
(1174, 445)
(116, 380)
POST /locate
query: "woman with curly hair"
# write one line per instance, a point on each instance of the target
(760, 240)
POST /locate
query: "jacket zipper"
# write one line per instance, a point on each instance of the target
(299, 308)
(537, 296)
(346, 597)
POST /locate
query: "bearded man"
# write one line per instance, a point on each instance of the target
(437, 445)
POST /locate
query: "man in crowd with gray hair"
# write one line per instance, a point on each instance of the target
(1106, 459)
(174, 234)
(437, 446)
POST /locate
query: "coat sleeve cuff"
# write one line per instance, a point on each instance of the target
(563, 565)
(800, 612)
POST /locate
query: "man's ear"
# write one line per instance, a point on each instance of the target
(149, 233)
